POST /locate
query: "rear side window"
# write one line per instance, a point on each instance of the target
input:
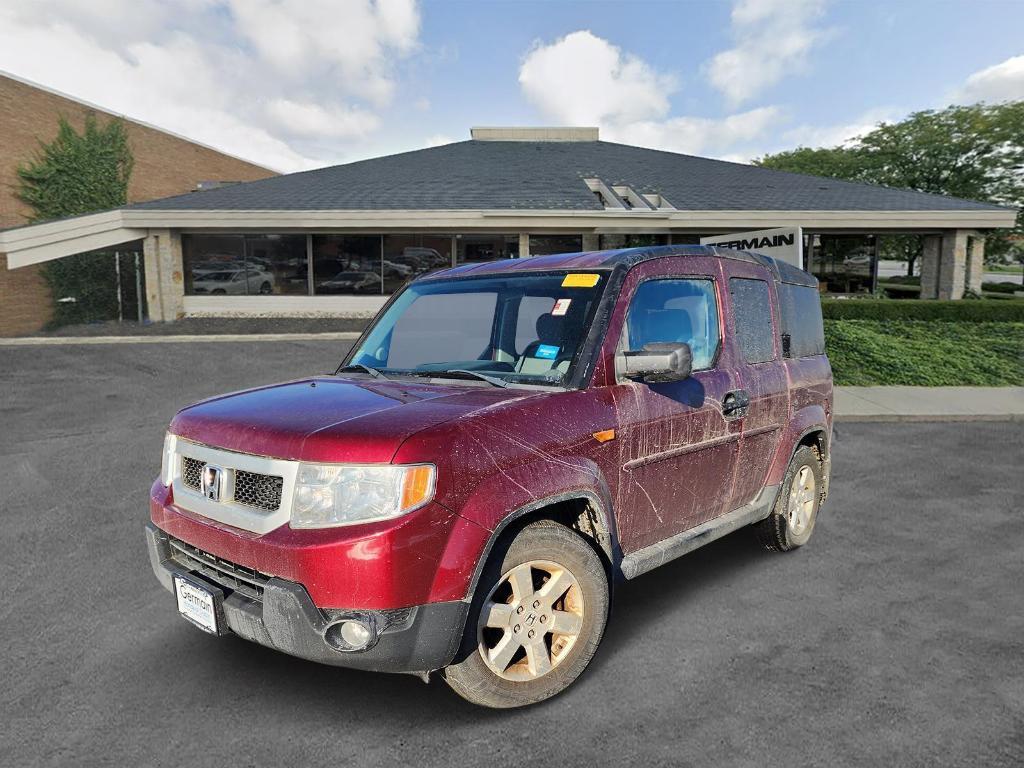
(676, 310)
(803, 333)
(752, 314)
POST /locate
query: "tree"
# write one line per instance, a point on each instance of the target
(974, 152)
(75, 174)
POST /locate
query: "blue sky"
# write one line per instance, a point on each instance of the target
(300, 83)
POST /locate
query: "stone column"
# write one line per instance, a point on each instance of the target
(524, 245)
(953, 265)
(591, 242)
(975, 263)
(165, 283)
(930, 266)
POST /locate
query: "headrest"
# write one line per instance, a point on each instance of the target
(665, 325)
(550, 329)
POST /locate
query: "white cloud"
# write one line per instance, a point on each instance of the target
(1000, 82)
(288, 84)
(349, 41)
(699, 135)
(582, 79)
(315, 121)
(841, 133)
(772, 40)
(438, 140)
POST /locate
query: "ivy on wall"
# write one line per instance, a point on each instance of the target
(75, 174)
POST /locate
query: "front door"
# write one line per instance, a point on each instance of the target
(678, 450)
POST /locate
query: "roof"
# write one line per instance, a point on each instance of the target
(545, 175)
(623, 257)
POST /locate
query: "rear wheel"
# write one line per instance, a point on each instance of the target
(537, 619)
(796, 509)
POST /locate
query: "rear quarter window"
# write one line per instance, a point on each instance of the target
(800, 310)
(752, 315)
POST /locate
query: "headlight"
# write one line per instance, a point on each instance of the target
(328, 495)
(167, 459)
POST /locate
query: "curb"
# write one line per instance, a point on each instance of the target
(875, 418)
(54, 341)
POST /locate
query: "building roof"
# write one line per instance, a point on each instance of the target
(550, 175)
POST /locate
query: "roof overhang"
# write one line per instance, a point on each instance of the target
(53, 240)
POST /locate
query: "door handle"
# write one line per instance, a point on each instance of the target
(735, 403)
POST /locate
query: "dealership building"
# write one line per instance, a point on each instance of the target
(339, 240)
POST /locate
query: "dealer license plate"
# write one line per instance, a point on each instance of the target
(196, 604)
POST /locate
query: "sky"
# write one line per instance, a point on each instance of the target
(299, 84)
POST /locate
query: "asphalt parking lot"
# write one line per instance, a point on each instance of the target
(896, 637)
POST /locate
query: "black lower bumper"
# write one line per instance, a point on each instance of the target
(416, 640)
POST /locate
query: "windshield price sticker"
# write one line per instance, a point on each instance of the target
(561, 307)
(577, 280)
(547, 351)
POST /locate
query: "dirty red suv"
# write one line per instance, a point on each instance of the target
(502, 445)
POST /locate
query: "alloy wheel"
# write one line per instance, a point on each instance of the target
(530, 620)
(802, 492)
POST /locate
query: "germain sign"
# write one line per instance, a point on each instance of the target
(785, 244)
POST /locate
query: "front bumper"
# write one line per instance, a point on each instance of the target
(282, 616)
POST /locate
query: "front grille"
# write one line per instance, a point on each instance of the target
(256, 490)
(191, 471)
(252, 489)
(234, 578)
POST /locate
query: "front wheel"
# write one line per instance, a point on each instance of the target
(537, 619)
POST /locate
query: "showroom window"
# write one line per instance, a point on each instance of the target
(245, 265)
(543, 245)
(347, 265)
(844, 263)
(471, 249)
(406, 256)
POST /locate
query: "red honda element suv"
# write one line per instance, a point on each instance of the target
(503, 443)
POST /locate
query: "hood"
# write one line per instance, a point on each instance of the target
(331, 419)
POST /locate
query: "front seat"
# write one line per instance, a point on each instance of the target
(551, 333)
(659, 325)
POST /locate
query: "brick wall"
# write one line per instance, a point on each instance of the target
(164, 165)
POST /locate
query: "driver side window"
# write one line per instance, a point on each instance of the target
(676, 310)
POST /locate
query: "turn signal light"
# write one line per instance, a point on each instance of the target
(417, 486)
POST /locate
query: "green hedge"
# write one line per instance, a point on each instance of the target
(925, 354)
(965, 311)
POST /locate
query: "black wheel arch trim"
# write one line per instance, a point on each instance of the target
(610, 549)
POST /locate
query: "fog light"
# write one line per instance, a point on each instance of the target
(351, 634)
(355, 634)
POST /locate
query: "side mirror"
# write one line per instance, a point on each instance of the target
(657, 362)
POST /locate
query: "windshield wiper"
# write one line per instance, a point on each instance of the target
(462, 374)
(360, 367)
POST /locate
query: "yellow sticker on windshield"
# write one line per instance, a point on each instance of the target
(577, 280)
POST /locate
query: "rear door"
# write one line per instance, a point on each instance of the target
(761, 374)
(677, 449)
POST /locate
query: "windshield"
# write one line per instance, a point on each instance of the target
(518, 328)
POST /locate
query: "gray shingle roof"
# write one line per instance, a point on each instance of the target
(549, 175)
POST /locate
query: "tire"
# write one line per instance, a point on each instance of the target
(218, 292)
(792, 520)
(581, 606)
(266, 288)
